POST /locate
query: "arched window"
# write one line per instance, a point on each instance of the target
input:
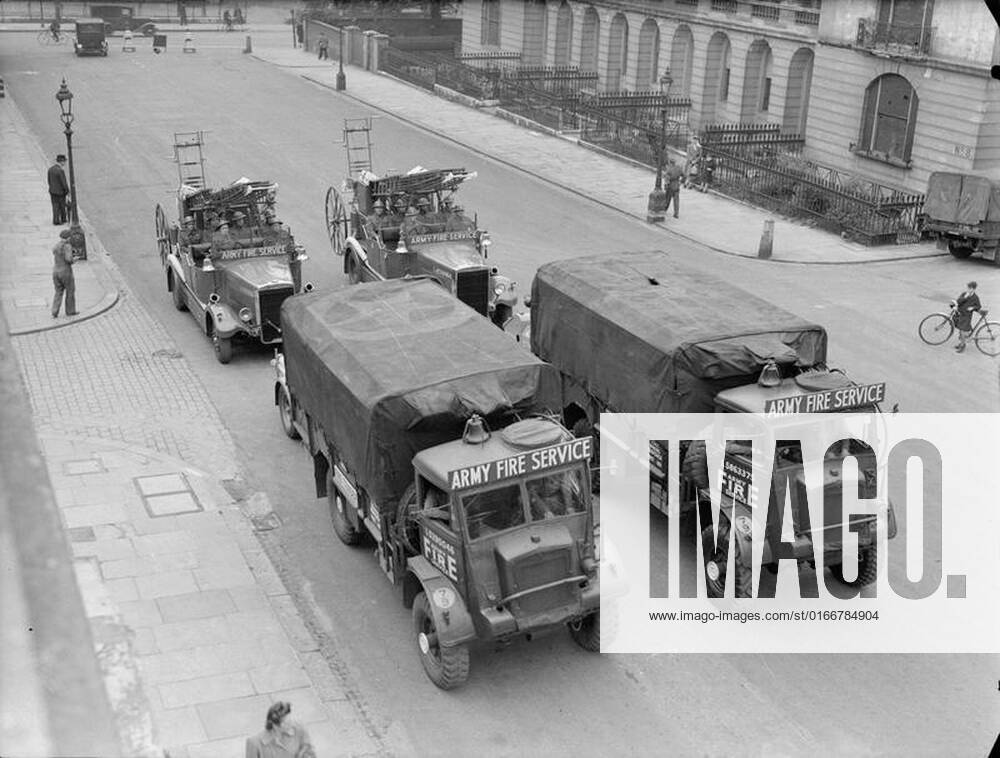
(588, 40)
(889, 119)
(716, 76)
(682, 60)
(489, 31)
(617, 53)
(756, 82)
(647, 70)
(797, 95)
(535, 33)
(564, 34)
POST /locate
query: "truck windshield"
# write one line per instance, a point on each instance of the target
(496, 509)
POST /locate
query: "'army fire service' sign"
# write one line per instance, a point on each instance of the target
(521, 465)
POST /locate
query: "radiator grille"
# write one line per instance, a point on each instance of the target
(542, 569)
(473, 289)
(270, 313)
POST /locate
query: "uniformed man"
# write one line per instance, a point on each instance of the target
(425, 209)
(398, 210)
(379, 220)
(458, 221)
(411, 224)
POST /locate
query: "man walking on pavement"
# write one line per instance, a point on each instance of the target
(62, 275)
(58, 190)
(674, 174)
(323, 44)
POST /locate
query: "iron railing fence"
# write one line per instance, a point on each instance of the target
(753, 140)
(554, 109)
(639, 141)
(863, 210)
(410, 67)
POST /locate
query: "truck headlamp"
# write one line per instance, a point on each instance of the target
(744, 526)
(245, 315)
(499, 289)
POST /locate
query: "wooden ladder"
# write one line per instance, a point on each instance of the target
(357, 143)
(189, 158)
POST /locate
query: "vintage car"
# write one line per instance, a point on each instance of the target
(228, 259)
(91, 37)
(122, 18)
(410, 225)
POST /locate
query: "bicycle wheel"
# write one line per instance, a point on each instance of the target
(45, 38)
(936, 329)
(987, 338)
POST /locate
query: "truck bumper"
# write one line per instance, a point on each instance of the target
(502, 623)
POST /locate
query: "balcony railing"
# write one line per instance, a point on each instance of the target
(725, 6)
(902, 39)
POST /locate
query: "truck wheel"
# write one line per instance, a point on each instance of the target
(960, 250)
(338, 514)
(587, 632)
(223, 348)
(285, 411)
(715, 565)
(867, 570)
(353, 269)
(447, 667)
(176, 294)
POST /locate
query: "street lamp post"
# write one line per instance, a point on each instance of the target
(77, 238)
(657, 207)
(341, 83)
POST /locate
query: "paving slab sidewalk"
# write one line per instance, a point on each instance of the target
(718, 222)
(195, 632)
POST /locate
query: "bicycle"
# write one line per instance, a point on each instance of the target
(937, 328)
(47, 38)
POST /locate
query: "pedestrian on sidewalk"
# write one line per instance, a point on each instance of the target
(323, 44)
(62, 275)
(674, 174)
(692, 161)
(58, 190)
(282, 736)
(965, 305)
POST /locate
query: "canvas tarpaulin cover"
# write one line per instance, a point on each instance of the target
(960, 199)
(390, 368)
(644, 334)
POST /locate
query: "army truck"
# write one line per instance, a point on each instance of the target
(410, 224)
(963, 210)
(428, 433)
(640, 333)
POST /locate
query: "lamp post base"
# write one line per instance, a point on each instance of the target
(656, 210)
(341, 83)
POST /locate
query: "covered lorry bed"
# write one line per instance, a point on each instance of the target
(668, 337)
(390, 368)
(961, 199)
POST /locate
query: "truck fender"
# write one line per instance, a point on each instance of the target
(451, 617)
(222, 318)
(741, 513)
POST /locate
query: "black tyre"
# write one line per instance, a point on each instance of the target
(959, 249)
(353, 269)
(715, 564)
(447, 667)
(223, 348)
(177, 294)
(338, 514)
(936, 329)
(867, 570)
(987, 338)
(587, 632)
(285, 412)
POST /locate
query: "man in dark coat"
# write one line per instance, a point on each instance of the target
(58, 190)
(966, 304)
(672, 178)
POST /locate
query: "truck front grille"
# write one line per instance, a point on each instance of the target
(270, 313)
(538, 570)
(473, 289)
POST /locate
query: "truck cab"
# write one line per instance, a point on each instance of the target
(816, 391)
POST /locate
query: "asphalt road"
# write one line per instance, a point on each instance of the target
(546, 697)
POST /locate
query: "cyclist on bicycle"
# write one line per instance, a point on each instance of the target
(54, 28)
(964, 306)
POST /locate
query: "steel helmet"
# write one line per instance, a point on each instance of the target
(379, 204)
(423, 202)
(400, 203)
